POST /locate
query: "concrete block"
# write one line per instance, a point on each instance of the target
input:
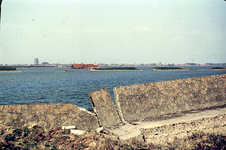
(68, 127)
(104, 107)
(78, 132)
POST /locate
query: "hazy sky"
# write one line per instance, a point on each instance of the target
(113, 31)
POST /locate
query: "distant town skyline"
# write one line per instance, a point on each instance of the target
(113, 31)
(46, 64)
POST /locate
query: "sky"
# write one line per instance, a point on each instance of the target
(113, 31)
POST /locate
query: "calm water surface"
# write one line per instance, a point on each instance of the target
(54, 85)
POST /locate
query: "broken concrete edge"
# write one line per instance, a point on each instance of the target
(118, 106)
(93, 106)
(103, 106)
(85, 110)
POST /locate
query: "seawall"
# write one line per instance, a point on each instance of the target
(135, 103)
(146, 102)
(153, 100)
(48, 116)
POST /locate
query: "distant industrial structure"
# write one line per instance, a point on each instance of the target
(84, 66)
(36, 62)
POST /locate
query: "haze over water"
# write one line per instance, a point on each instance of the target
(54, 85)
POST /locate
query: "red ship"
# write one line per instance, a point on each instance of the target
(84, 66)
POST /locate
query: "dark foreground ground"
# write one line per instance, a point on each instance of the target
(35, 137)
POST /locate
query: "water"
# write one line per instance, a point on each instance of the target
(54, 85)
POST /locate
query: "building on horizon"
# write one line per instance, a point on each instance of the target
(45, 63)
(36, 62)
(84, 66)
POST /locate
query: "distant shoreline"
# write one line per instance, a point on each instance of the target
(218, 68)
(115, 70)
(172, 69)
(11, 71)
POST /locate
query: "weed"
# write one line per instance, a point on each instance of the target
(37, 138)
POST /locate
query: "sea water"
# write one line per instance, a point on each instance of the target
(55, 85)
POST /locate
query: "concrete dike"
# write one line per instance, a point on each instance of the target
(154, 100)
(48, 116)
(158, 108)
(152, 112)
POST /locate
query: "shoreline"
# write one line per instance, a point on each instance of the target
(173, 70)
(11, 71)
(182, 69)
(217, 69)
(116, 70)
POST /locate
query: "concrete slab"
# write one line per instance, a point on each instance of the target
(152, 100)
(130, 131)
(104, 107)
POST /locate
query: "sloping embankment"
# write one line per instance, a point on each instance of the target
(148, 112)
